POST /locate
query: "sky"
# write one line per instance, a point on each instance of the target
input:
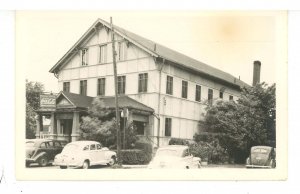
(229, 41)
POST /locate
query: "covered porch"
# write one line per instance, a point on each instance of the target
(65, 116)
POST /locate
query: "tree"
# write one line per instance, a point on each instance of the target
(249, 121)
(100, 125)
(33, 90)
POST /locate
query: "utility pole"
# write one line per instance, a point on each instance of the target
(116, 89)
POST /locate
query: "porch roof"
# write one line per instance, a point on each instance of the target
(80, 101)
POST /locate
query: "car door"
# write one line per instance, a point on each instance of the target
(100, 154)
(50, 150)
(93, 154)
(57, 147)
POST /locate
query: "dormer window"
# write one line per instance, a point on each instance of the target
(84, 57)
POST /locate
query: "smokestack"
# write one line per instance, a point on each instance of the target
(256, 72)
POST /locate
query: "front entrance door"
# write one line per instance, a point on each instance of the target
(66, 128)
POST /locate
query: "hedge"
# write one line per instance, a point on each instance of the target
(178, 141)
(134, 156)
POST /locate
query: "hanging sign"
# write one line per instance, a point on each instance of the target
(47, 100)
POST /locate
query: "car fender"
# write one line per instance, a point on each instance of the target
(109, 154)
(40, 155)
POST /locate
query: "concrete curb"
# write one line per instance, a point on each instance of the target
(134, 166)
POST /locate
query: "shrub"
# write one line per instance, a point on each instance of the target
(201, 150)
(205, 137)
(134, 156)
(178, 141)
(210, 152)
(146, 147)
(141, 145)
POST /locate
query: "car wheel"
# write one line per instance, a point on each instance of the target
(272, 164)
(43, 161)
(199, 165)
(63, 167)
(27, 164)
(86, 164)
(112, 161)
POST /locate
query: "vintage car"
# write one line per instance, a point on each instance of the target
(42, 151)
(261, 157)
(174, 157)
(83, 154)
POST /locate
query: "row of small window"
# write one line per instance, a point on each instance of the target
(142, 86)
(184, 90)
(121, 53)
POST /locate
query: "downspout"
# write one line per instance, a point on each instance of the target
(158, 109)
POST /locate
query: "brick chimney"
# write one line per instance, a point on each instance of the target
(256, 72)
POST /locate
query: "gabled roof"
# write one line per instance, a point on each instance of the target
(80, 101)
(159, 51)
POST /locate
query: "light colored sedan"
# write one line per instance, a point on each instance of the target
(83, 154)
(175, 157)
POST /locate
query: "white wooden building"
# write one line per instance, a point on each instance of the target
(175, 87)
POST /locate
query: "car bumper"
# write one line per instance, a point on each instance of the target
(257, 166)
(67, 164)
(29, 160)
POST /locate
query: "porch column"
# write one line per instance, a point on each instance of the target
(52, 132)
(75, 126)
(58, 127)
(39, 125)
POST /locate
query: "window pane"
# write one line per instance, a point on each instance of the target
(230, 97)
(184, 89)
(84, 57)
(169, 89)
(66, 86)
(103, 54)
(198, 93)
(210, 96)
(101, 87)
(221, 95)
(93, 147)
(168, 126)
(83, 87)
(122, 51)
(121, 84)
(143, 80)
(98, 147)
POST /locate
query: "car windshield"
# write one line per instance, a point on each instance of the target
(70, 148)
(260, 150)
(29, 144)
(167, 152)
